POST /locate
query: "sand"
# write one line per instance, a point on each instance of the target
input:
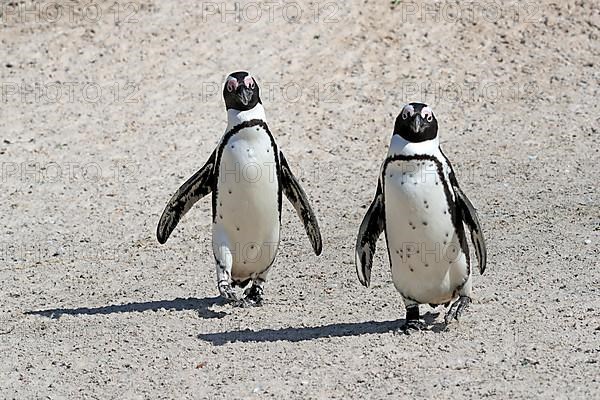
(106, 109)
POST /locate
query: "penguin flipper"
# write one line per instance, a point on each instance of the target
(470, 218)
(370, 229)
(195, 188)
(294, 193)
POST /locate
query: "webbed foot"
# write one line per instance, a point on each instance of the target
(457, 308)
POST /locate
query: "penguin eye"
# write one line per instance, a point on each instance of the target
(429, 118)
(231, 85)
(404, 114)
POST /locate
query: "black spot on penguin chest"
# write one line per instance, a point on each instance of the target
(215, 183)
(455, 213)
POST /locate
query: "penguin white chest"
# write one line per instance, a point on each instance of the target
(247, 205)
(425, 254)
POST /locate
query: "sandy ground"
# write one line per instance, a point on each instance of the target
(106, 109)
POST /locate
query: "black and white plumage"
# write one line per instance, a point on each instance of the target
(246, 174)
(422, 210)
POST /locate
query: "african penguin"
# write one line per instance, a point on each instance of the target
(421, 208)
(246, 174)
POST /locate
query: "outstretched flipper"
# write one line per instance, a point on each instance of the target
(370, 229)
(195, 188)
(294, 193)
(470, 218)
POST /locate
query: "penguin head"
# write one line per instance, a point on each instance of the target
(416, 123)
(241, 91)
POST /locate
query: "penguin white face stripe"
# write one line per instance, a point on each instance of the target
(427, 114)
(249, 82)
(231, 84)
(407, 111)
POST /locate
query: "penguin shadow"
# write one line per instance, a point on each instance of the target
(292, 334)
(202, 306)
(433, 325)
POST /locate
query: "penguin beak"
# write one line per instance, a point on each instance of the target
(245, 95)
(416, 124)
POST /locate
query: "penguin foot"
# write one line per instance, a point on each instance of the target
(412, 325)
(241, 303)
(457, 308)
(227, 291)
(254, 295)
